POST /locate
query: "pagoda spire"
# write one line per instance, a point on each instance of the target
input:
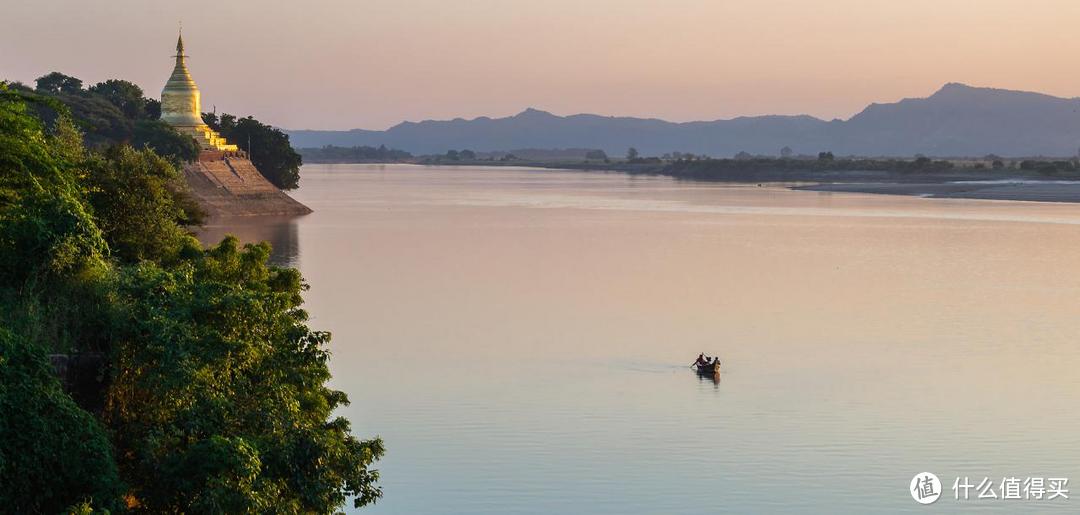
(180, 97)
(181, 105)
(180, 42)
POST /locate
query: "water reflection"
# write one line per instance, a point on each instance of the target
(865, 339)
(281, 232)
(712, 377)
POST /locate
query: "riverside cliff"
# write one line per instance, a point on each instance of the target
(227, 184)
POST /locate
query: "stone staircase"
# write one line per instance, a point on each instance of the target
(235, 174)
(228, 184)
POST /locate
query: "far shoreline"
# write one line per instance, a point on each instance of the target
(1017, 190)
(1009, 184)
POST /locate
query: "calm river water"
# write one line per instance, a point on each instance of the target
(520, 339)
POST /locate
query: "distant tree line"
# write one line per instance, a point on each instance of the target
(357, 154)
(536, 156)
(463, 155)
(676, 156)
(1051, 168)
(826, 162)
(635, 157)
(747, 167)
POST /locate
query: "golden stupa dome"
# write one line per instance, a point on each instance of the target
(180, 105)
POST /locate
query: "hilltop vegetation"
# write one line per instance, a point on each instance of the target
(117, 112)
(111, 112)
(212, 393)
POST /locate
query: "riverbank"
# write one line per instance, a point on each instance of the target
(1019, 180)
(965, 184)
(1004, 189)
(232, 186)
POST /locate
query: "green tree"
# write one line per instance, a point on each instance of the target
(165, 140)
(152, 110)
(53, 455)
(46, 231)
(111, 112)
(56, 82)
(217, 399)
(140, 203)
(101, 122)
(267, 147)
(220, 396)
(631, 154)
(126, 96)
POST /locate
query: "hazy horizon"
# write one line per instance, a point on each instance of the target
(344, 65)
(914, 96)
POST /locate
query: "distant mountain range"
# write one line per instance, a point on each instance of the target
(958, 120)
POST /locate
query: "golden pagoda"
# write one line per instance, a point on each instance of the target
(180, 106)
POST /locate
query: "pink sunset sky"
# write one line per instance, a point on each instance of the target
(373, 63)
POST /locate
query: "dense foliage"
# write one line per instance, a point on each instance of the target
(126, 96)
(267, 147)
(116, 111)
(112, 112)
(53, 454)
(164, 141)
(359, 154)
(1047, 167)
(213, 395)
(141, 203)
(219, 396)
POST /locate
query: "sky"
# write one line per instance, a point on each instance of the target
(341, 64)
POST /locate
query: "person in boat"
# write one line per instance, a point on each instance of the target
(715, 361)
(701, 360)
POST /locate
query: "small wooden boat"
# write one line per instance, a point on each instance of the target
(709, 370)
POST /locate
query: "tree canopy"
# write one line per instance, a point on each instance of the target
(117, 111)
(111, 112)
(213, 393)
(267, 147)
(56, 82)
(53, 455)
(126, 96)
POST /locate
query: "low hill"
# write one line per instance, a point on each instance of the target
(957, 120)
